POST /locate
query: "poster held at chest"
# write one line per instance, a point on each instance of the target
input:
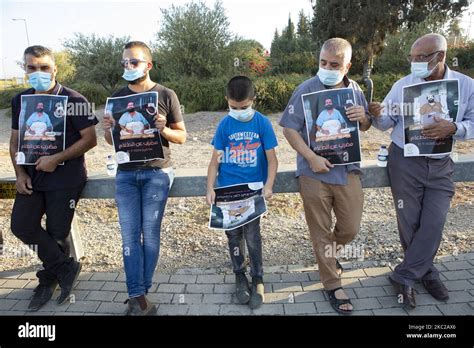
(330, 133)
(41, 127)
(425, 104)
(134, 135)
(237, 205)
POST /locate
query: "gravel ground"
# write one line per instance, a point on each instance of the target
(186, 240)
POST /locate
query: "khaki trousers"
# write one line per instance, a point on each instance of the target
(319, 200)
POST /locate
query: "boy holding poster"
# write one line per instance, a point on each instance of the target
(244, 152)
(143, 179)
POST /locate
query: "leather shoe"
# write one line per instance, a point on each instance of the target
(436, 288)
(41, 295)
(407, 294)
(68, 279)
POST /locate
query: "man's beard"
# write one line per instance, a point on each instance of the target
(137, 81)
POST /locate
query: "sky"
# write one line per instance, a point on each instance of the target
(50, 22)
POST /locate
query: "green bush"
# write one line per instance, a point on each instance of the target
(461, 59)
(382, 84)
(7, 94)
(200, 95)
(274, 92)
(94, 93)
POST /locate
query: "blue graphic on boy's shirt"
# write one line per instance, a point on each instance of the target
(243, 145)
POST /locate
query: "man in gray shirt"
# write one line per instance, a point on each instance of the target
(422, 187)
(323, 186)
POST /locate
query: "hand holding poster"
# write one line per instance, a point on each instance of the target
(42, 127)
(134, 135)
(426, 104)
(330, 132)
(237, 205)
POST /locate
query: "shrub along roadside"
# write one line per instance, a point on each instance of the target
(273, 92)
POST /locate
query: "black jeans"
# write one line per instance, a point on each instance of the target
(53, 243)
(251, 234)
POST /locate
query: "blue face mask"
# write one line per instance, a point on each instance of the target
(420, 69)
(132, 74)
(330, 77)
(39, 80)
(244, 115)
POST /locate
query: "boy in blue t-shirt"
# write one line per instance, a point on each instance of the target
(244, 152)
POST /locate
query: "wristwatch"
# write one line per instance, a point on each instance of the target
(456, 128)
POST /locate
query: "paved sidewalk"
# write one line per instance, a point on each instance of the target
(290, 290)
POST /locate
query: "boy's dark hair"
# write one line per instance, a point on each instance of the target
(240, 88)
(38, 51)
(142, 45)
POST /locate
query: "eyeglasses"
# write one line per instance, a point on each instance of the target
(133, 62)
(421, 57)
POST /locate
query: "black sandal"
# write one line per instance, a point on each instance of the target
(336, 303)
(339, 267)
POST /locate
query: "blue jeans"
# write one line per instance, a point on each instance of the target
(237, 238)
(141, 197)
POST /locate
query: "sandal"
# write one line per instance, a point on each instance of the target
(336, 303)
(339, 267)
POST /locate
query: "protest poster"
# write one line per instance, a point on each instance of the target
(134, 135)
(330, 132)
(41, 127)
(424, 104)
(237, 205)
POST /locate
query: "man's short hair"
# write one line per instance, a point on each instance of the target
(240, 88)
(146, 50)
(38, 51)
(339, 47)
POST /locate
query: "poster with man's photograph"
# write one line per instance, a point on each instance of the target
(330, 132)
(134, 134)
(425, 104)
(237, 205)
(42, 127)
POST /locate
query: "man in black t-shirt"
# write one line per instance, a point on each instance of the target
(53, 185)
(142, 188)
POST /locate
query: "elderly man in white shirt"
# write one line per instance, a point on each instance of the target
(422, 187)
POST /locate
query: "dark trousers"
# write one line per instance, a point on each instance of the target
(247, 234)
(52, 243)
(422, 189)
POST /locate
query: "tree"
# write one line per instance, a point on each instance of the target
(97, 59)
(293, 52)
(303, 27)
(289, 32)
(66, 69)
(366, 23)
(192, 40)
(397, 46)
(455, 34)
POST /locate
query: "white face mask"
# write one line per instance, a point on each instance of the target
(244, 115)
(420, 69)
(133, 74)
(330, 77)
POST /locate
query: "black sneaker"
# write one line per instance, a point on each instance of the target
(242, 290)
(42, 294)
(67, 280)
(258, 293)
